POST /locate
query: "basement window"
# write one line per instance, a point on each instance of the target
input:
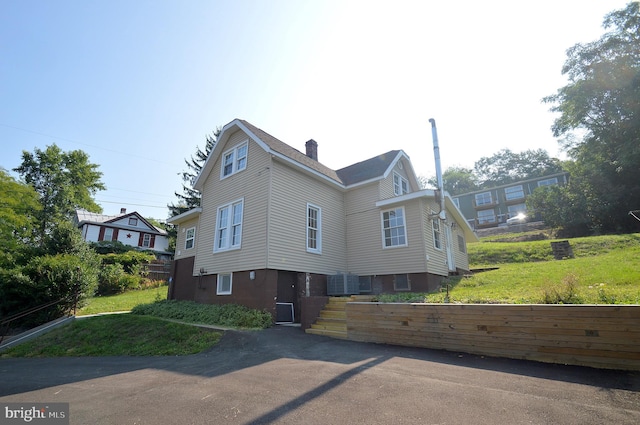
(224, 284)
(365, 283)
(401, 282)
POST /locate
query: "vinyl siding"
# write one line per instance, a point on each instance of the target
(181, 252)
(437, 262)
(252, 185)
(364, 234)
(291, 190)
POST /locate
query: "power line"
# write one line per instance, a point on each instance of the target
(128, 203)
(128, 154)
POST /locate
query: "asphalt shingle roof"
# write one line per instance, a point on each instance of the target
(356, 173)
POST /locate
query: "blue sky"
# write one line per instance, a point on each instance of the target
(139, 84)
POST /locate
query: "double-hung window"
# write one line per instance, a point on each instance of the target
(229, 226)
(513, 192)
(234, 160)
(394, 231)
(400, 185)
(190, 238)
(146, 240)
(483, 199)
(314, 229)
(437, 241)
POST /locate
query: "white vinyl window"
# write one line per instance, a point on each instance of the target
(486, 217)
(133, 221)
(225, 281)
(234, 160)
(108, 234)
(314, 229)
(514, 210)
(229, 226)
(462, 245)
(548, 182)
(146, 241)
(437, 242)
(513, 192)
(483, 198)
(190, 238)
(394, 231)
(400, 185)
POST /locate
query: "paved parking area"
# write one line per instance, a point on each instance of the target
(284, 376)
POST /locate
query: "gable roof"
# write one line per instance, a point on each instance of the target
(369, 169)
(374, 168)
(86, 217)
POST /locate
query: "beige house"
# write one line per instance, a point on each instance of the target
(277, 228)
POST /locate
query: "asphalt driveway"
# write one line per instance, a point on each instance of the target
(282, 375)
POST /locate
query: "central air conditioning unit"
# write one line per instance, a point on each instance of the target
(343, 284)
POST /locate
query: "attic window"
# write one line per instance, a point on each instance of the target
(400, 185)
(234, 160)
(133, 221)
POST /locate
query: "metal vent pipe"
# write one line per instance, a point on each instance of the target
(436, 153)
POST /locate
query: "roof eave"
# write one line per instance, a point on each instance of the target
(187, 215)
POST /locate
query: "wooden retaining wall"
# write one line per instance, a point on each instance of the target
(602, 336)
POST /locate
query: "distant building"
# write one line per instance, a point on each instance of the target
(493, 207)
(128, 228)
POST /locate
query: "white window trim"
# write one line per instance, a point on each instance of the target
(401, 180)
(229, 227)
(234, 160)
(146, 240)
(435, 221)
(404, 217)
(548, 182)
(219, 284)
(111, 232)
(192, 238)
(318, 249)
(482, 195)
(509, 192)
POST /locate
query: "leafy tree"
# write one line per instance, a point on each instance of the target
(600, 119)
(456, 180)
(18, 207)
(190, 198)
(506, 166)
(64, 181)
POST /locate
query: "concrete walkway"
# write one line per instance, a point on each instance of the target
(282, 375)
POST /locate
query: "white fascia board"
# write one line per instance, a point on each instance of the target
(185, 216)
(424, 193)
(394, 162)
(222, 139)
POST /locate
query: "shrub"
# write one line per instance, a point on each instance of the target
(231, 315)
(113, 279)
(565, 293)
(63, 276)
(131, 261)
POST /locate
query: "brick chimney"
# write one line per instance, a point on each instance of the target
(123, 210)
(312, 149)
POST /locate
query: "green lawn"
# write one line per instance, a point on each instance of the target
(605, 270)
(123, 302)
(118, 335)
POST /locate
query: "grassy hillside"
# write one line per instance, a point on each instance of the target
(605, 270)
